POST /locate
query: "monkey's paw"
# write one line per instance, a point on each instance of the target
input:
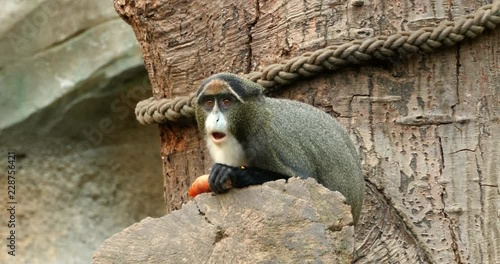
(221, 177)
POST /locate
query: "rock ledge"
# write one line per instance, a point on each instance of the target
(279, 222)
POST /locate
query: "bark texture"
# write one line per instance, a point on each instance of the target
(427, 126)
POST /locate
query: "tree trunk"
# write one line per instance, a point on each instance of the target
(427, 126)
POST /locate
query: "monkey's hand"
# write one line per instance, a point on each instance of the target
(224, 177)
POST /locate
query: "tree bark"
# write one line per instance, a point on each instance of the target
(427, 126)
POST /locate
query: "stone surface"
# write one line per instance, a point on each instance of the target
(278, 222)
(45, 61)
(70, 74)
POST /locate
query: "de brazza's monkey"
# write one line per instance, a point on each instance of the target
(254, 139)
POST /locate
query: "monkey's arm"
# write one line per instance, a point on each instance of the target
(224, 177)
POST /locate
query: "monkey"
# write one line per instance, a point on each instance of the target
(253, 139)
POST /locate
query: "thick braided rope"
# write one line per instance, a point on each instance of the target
(426, 39)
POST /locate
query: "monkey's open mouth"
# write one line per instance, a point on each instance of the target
(218, 136)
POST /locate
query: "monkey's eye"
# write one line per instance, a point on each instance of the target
(225, 103)
(209, 104)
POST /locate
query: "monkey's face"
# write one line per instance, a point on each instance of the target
(217, 108)
(225, 109)
(215, 105)
(225, 106)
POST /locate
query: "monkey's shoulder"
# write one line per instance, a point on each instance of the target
(306, 125)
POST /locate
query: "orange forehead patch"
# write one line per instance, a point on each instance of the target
(215, 87)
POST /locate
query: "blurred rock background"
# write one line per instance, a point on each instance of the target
(70, 74)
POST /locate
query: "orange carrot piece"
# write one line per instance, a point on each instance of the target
(200, 185)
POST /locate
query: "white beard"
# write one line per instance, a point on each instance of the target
(230, 152)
